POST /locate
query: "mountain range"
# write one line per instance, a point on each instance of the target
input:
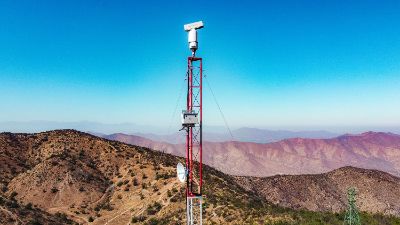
(70, 177)
(214, 133)
(244, 134)
(370, 150)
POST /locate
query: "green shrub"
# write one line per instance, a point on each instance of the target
(137, 219)
(135, 182)
(34, 222)
(153, 209)
(13, 194)
(4, 189)
(54, 190)
(152, 221)
(28, 206)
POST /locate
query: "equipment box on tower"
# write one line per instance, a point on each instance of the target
(189, 118)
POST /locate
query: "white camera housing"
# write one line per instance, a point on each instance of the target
(192, 28)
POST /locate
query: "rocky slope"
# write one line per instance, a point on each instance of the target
(371, 150)
(64, 175)
(378, 192)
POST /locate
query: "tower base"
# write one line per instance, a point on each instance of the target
(194, 210)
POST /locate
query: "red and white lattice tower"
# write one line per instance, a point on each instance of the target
(192, 123)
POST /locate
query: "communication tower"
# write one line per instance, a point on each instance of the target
(192, 173)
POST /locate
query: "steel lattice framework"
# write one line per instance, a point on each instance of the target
(194, 145)
(352, 216)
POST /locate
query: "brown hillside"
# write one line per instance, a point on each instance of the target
(378, 191)
(85, 177)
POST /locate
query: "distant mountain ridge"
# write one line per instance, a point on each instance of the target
(215, 134)
(244, 134)
(370, 150)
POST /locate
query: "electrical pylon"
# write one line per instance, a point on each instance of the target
(352, 216)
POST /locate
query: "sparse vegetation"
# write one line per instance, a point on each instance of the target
(13, 194)
(64, 218)
(28, 206)
(4, 189)
(137, 219)
(107, 206)
(90, 219)
(155, 221)
(153, 209)
(81, 154)
(34, 222)
(164, 175)
(155, 188)
(135, 182)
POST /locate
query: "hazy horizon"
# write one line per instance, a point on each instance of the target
(136, 128)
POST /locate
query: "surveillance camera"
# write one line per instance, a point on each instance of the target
(192, 34)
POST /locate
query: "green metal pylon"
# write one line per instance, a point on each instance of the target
(352, 216)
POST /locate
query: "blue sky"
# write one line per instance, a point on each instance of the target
(271, 63)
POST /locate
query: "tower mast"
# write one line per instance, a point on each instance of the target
(192, 119)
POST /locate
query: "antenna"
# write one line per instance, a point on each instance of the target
(181, 172)
(192, 28)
